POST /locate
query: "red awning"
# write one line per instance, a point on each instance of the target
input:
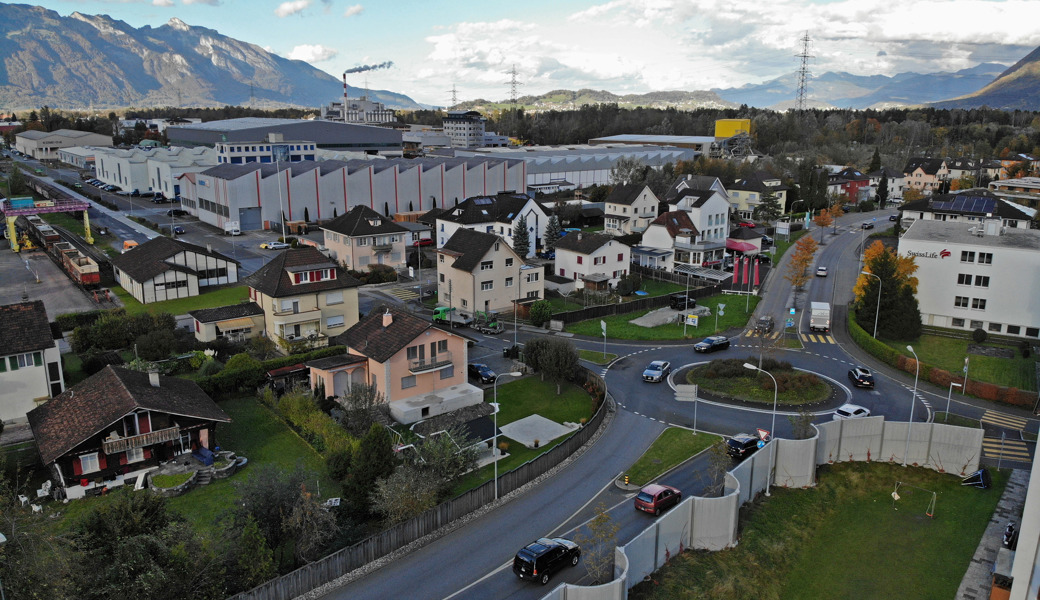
(740, 246)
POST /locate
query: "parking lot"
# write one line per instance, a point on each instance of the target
(59, 294)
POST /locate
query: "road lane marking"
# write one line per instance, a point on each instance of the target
(1004, 420)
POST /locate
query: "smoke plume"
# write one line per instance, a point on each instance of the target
(363, 68)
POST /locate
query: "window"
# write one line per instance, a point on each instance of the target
(363, 241)
(985, 258)
(532, 294)
(580, 259)
(413, 352)
(995, 327)
(509, 282)
(442, 346)
(89, 463)
(134, 455)
(487, 265)
(1032, 332)
(440, 258)
(963, 279)
(509, 262)
(967, 256)
(599, 260)
(486, 285)
(978, 303)
(336, 321)
(448, 372)
(464, 303)
(563, 273)
(407, 382)
(975, 324)
(1014, 330)
(334, 298)
(957, 322)
(532, 277)
(960, 301)
(981, 280)
(621, 257)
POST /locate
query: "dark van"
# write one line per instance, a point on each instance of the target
(540, 559)
(681, 301)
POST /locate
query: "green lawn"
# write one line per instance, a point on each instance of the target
(180, 306)
(654, 287)
(256, 433)
(564, 304)
(65, 220)
(737, 312)
(843, 539)
(949, 353)
(958, 420)
(596, 357)
(750, 388)
(671, 448)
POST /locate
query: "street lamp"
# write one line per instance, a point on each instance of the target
(948, 398)
(772, 428)
(913, 402)
(494, 443)
(877, 309)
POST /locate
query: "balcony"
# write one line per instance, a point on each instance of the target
(422, 365)
(122, 444)
(310, 340)
(387, 247)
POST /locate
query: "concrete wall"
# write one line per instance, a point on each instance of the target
(711, 523)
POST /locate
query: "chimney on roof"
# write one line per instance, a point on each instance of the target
(387, 318)
(153, 378)
(579, 236)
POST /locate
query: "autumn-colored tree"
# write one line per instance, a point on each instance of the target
(801, 259)
(892, 306)
(835, 211)
(823, 220)
(905, 267)
(911, 194)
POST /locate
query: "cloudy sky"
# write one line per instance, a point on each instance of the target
(623, 46)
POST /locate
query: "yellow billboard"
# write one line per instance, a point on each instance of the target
(727, 128)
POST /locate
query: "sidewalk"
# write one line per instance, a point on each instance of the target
(979, 576)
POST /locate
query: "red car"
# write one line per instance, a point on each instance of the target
(423, 242)
(746, 224)
(655, 498)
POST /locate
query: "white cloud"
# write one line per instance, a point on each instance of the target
(312, 53)
(209, 2)
(291, 7)
(353, 11)
(162, 3)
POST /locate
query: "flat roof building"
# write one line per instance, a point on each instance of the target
(326, 135)
(44, 145)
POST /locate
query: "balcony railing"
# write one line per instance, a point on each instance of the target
(382, 247)
(310, 340)
(280, 312)
(112, 446)
(420, 365)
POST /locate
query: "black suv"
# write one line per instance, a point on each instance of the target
(482, 372)
(764, 325)
(742, 445)
(681, 301)
(861, 378)
(542, 558)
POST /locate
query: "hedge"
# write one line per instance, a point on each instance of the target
(232, 381)
(70, 321)
(319, 429)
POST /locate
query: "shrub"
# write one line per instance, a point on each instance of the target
(242, 361)
(541, 312)
(210, 368)
(940, 377)
(979, 335)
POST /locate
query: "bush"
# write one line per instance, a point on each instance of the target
(210, 368)
(70, 321)
(92, 362)
(940, 377)
(979, 335)
(541, 312)
(375, 274)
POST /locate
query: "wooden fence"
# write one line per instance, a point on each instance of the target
(605, 310)
(322, 571)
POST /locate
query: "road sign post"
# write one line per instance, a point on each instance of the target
(603, 326)
(719, 313)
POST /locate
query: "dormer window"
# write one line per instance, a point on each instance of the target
(314, 276)
(374, 222)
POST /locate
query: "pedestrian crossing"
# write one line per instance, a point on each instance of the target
(1006, 421)
(818, 338)
(770, 336)
(995, 448)
(405, 294)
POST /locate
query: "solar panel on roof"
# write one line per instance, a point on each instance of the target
(482, 201)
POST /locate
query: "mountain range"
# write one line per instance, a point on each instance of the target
(80, 61)
(94, 60)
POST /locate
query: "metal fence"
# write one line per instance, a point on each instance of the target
(606, 310)
(325, 570)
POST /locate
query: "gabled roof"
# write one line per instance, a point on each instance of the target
(625, 194)
(80, 412)
(697, 197)
(744, 233)
(362, 220)
(689, 182)
(430, 217)
(223, 313)
(501, 208)
(962, 164)
(583, 243)
(149, 259)
(379, 343)
(470, 247)
(973, 202)
(756, 183)
(25, 327)
(675, 222)
(931, 166)
(892, 173)
(852, 174)
(273, 279)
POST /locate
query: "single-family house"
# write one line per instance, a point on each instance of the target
(363, 237)
(117, 424)
(418, 367)
(165, 268)
(480, 272)
(676, 232)
(306, 298)
(850, 181)
(496, 215)
(594, 261)
(968, 206)
(746, 194)
(895, 182)
(925, 174)
(693, 182)
(629, 209)
(709, 211)
(235, 322)
(30, 364)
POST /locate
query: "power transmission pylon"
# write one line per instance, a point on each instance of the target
(454, 96)
(803, 72)
(513, 84)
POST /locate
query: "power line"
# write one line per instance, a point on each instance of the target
(803, 72)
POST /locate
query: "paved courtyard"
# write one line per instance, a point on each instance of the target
(57, 291)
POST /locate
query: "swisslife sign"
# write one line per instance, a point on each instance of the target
(941, 254)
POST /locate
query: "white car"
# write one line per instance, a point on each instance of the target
(850, 411)
(274, 246)
(821, 271)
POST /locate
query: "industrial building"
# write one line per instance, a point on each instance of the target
(326, 135)
(151, 169)
(44, 145)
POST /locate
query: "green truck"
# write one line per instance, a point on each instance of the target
(446, 315)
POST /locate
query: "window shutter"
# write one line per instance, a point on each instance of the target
(77, 467)
(620, 257)
(37, 359)
(332, 273)
(102, 461)
(147, 453)
(198, 327)
(14, 362)
(296, 277)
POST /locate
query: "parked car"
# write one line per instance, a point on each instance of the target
(423, 242)
(656, 371)
(821, 271)
(542, 558)
(764, 259)
(482, 372)
(177, 230)
(712, 343)
(850, 411)
(655, 498)
(861, 377)
(742, 445)
(274, 246)
(867, 225)
(767, 241)
(547, 255)
(764, 325)
(894, 217)
(176, 212)
(747, 224)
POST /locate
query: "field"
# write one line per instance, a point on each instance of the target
(736, 314)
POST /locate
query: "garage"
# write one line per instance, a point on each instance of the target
(249, 219)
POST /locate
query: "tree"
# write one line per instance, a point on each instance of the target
(553, 233)
(447, 456)
(835, 211)
(261, 347)
(895, 309)
(769, 208)
(373, 461)
(250, 562)
(802, 424)
(628, 171)
(541, 312)
(359, 404)
(882, 191)
(719, 463)
(155, 345)
(559, 361)
(598, 541)
(406, 493)
(521, 238)
(801, 259)
(823, 220)
(912, 194)
(310, 525)
(268, 497)
(16, 182)
(875, 161)
(628, 284)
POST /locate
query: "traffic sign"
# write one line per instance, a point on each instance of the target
(603, 326)
(790, 323)
(761, 444)
(792, 310)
